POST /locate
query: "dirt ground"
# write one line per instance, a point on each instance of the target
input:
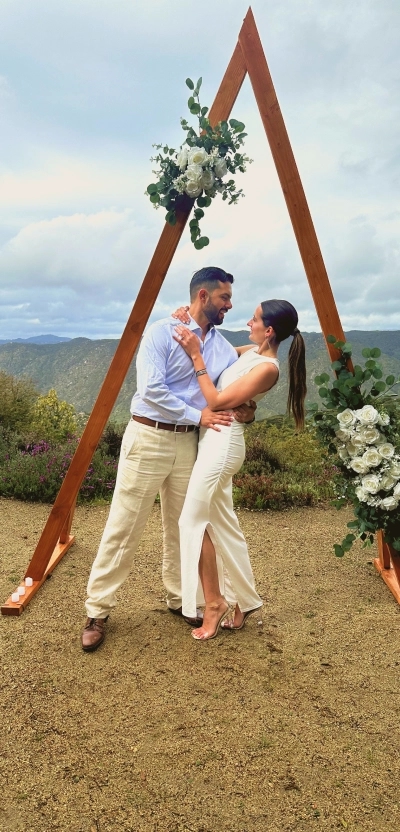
(292, 724)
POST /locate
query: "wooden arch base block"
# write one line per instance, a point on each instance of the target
(388, 565)
(17, 607)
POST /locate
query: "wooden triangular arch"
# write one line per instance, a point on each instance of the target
(248, 57)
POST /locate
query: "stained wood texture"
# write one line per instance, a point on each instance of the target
(16, 608)
(388, 565)
(289, 178)
(59, 522)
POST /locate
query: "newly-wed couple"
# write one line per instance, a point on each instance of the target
(185, 442)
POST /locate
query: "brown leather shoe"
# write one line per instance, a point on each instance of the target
(93, 634)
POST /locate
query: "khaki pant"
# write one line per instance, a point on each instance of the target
(152, 461)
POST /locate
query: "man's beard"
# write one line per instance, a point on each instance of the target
(213, 315)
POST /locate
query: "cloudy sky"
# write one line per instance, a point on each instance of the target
(86, 88)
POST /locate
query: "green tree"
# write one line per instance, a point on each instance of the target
(17, 400)
(52, 418)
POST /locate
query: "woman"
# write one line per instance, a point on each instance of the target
(208, 523)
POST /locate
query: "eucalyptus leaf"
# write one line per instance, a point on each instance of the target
(339, 552)
(152, 189)
(189, 83)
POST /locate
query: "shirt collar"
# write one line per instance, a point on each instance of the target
(196, 328)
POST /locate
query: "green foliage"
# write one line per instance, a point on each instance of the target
(283, 468)
(369, 461)
(197, 170)
(34, 471)
(17, 400)
(52, 418)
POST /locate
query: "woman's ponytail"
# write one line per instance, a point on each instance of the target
(297, 379)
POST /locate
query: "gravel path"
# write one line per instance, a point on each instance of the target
(289, 725)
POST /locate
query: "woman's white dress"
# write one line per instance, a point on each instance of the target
(209, 505)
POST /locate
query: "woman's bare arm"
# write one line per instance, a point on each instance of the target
(258, 380)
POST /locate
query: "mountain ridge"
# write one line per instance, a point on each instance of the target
(76, 368)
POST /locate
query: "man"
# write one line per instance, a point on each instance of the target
(159, 447)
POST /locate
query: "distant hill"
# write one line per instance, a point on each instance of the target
(36, 339)
(76, 367)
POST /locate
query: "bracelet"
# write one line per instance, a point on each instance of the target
(251, 421)
(200, 372)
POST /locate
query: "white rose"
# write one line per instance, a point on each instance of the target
(343, 453)
(198, 156)
(370, 435)
(359, 465)
(372, 458)
(389, 503)
(220, 168)
(194, 173)
(395, 468)
(367, 415)
(386, 450)
(358, 441)
(346, 418)
(370, 483)
(351, 449)
(343, 434)
(384, 419)
(193, 189)
(396, 491)
(207, 180)
(182, 158)
(361, 494)
(387, 482)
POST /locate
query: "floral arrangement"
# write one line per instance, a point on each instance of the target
(361, 426)
(198, 169)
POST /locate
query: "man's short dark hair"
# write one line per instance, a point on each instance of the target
(208, 278)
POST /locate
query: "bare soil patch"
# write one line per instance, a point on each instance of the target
(292, 725)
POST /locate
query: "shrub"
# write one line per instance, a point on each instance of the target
(52, 418)
(17, 399)
(35, 472)
(283, 468)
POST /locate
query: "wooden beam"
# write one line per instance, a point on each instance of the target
(59, 522)
(388, 565)
(289, 178)
(11, 607)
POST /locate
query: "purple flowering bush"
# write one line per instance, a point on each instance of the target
(34, 471)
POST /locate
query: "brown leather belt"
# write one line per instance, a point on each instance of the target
(164, 425)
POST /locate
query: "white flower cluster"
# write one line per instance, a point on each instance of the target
(200, 171)
(364, 449)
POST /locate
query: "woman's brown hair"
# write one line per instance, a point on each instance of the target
(283, 318)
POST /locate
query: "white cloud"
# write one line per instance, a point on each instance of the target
(88, 86)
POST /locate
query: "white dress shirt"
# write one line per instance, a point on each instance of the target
(167, 388)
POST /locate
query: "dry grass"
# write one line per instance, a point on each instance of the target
(292, 725)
